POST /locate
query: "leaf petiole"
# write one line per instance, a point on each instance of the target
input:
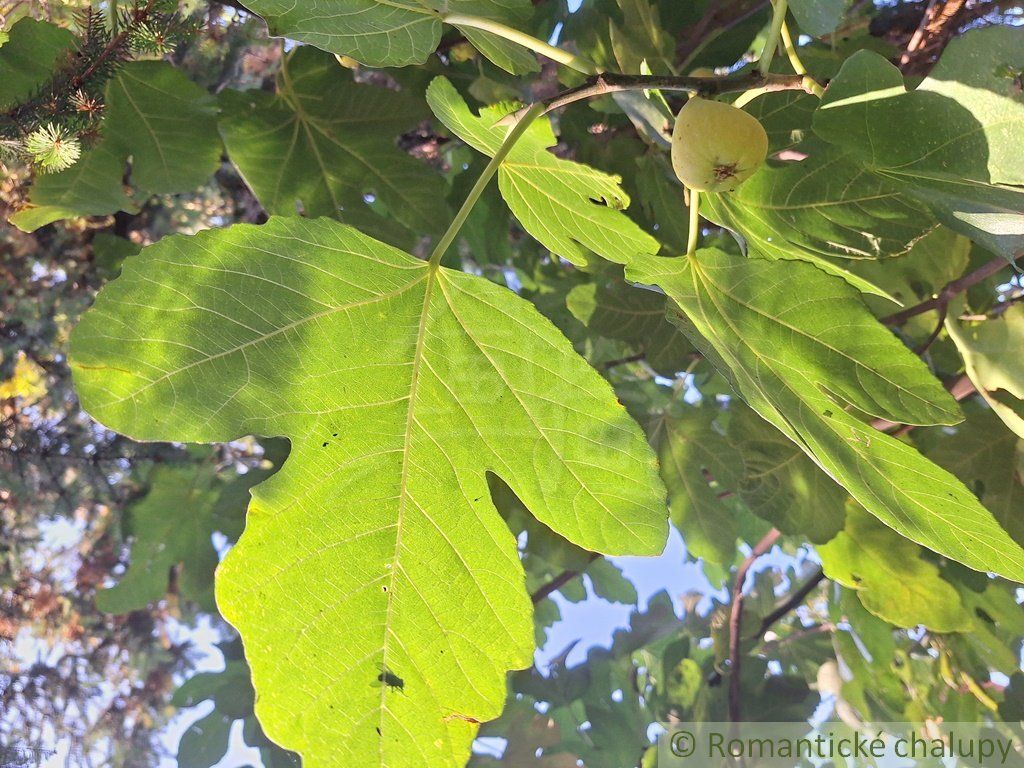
(694, 232)
(579, 63)
(810, 83)
(764, 61)
(513, 136)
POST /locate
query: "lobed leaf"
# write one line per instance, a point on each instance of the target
(400, 386)
(574, 210)
(824, 209)
(805, 353)
(322, 143)
(956, 164)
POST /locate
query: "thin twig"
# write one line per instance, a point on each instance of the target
(736, 621)
(923, 347)
(952, 289)
(791, 602)
(560, 581)
(635, 358)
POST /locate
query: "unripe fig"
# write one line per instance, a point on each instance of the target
(715, 146)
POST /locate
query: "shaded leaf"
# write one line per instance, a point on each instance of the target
(167, 125)
(988, 458)
(891, 577)
(29, 57)
(171, 525)
(323, 142)
(157, 117)
(948, 166)
(91, 187)
(698, 467)
(818, 17)
(824, 209)
(992, 356)
(781, 485)
(385, 33)
(617, 310)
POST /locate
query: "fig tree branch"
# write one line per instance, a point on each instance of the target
(791, 602)
(609, 82)
(736, 622)
(560, 581)
(952, 289)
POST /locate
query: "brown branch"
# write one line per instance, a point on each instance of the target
(610, 82)
(560, 581)
(736, 621)
(933, 33)
(635, 358)
(917, 38)
(951, 290)
(791, 602)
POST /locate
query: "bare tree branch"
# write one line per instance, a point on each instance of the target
(736, 622)
(951, 290)
(560, 581)
(609, 82)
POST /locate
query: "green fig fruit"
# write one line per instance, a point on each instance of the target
(715, 146)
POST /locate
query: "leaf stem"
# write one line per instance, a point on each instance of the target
(694, 232)
(748, 96)
(478, 188)
(764, 61)
(736, 622)
(579, 63)
(798, 66)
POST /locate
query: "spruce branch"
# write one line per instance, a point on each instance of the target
(48, 127)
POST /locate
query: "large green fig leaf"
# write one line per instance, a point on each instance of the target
(400, 386)
(157, 117)
(957, 164)
(805, 353)
(574, 210)
(387, 33)
(324, 142)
